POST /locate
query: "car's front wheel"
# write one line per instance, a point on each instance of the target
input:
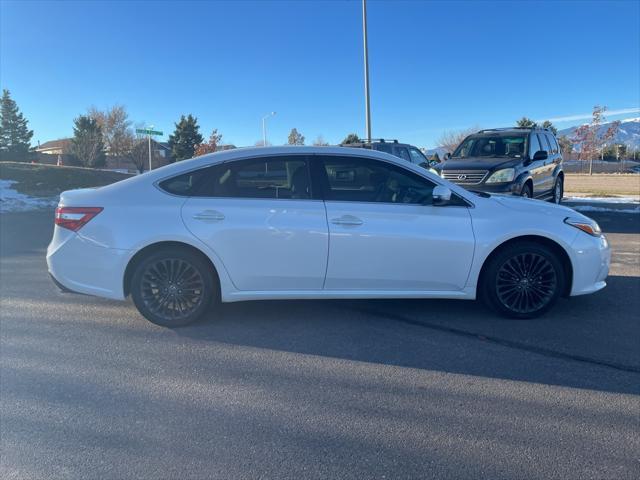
(558, 190)
(523, 280)
(527, 191)
(173, 288)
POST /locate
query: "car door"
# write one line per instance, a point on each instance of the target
(546, 183)
(385, 234)
(536, 167)
(554, 159)
(259, 216)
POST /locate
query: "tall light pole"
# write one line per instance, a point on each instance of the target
(150, 128)
(366, 71)
(264, 128)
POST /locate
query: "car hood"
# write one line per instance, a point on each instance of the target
(528, 205)
(479, 163)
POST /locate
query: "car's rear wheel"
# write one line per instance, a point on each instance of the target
(558, 190)
(526, 191)
(523, 280)
(173, 288)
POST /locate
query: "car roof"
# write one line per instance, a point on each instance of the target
(249, 152)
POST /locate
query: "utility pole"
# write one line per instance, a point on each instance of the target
(264, 128)
(149, 137)
(366, 71)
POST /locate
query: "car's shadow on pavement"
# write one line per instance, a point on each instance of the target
(579, 337)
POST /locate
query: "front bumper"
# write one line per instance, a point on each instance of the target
(80, 265)
(591, 264)
(509, 188)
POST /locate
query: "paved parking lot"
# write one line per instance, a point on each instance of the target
(350, 389)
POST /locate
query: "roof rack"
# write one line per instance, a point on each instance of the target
(369, 142)
(381, 140)
(512, 128)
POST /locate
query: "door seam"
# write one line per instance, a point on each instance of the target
(326, 268)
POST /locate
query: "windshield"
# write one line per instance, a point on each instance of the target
(492, 146)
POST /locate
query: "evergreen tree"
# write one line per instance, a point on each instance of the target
(185, 138)
(550, 126)
(87, 145)
(351, 138)
(15, 136)
(295, 137)
(526, 122)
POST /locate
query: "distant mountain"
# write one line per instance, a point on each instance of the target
(628, 133)
(430, 151)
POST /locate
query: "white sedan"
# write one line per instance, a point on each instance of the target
(311, 223)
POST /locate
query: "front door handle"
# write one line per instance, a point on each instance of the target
(209, 215)
(347, 220)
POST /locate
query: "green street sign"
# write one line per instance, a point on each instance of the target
(148, 132)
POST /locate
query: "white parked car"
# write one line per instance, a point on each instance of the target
(316, 222)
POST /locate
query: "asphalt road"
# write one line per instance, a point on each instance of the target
(348, 389)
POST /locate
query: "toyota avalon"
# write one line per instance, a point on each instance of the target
(313, 223)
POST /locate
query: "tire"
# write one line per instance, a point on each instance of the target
(173, 287)
(526, 191)
(523, 280)
(558, 191)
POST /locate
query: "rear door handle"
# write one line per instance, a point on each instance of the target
(347, 220)
(209, 215)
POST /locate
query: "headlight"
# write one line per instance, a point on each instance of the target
(504, 175)
(588, 226)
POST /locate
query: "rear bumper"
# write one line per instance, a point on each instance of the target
(80, 265)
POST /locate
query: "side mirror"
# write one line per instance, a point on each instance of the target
(447, 156)
(441, 195)
(541, 155)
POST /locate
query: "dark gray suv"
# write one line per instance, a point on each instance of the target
(518, 161)
(401, 150)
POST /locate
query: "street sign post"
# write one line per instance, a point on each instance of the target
(149, 132)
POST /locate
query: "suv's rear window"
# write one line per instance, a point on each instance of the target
(492, 146)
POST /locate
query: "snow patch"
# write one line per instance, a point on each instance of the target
(616, 200)
(13, 201)
(591, 208)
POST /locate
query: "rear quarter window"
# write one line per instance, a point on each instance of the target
(184, 185)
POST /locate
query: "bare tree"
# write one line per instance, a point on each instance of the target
(450, 139)
(319, 142)
(139, 153)
(116, 129)
(590, 137)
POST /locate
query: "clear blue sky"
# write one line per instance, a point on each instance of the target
(434, 65)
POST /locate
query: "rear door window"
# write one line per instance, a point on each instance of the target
(267, 177)
(552, 143)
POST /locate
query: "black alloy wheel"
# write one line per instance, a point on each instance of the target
(173, 288)
(523, 280)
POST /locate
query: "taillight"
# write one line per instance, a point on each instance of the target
(74, 218)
